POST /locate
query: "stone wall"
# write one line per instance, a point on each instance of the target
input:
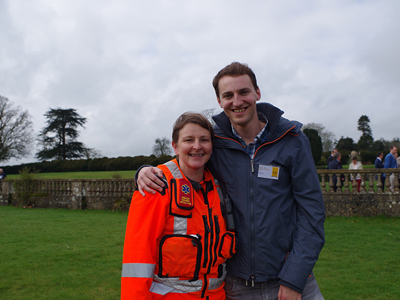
(72, 194)
(105, 193)
(372, 200)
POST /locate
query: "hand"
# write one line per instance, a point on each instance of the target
(286, 293)
(148, 181)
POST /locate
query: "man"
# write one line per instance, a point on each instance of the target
(330, 158)
(390, 162)
(265, 162)
(336, 164)
(379, 165)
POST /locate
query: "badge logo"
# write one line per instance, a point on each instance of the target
(185, 189)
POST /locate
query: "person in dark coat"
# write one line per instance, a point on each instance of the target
(336, 164)
(330, 158)
(379, 165)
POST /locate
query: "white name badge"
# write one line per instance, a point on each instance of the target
(269, 172)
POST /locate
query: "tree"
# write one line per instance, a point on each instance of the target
(366, 139)
(395, 142)
(58, 138)
(209, 113)
(162, 147)
(380, 145)
(315, 142)
(16, 131)
(346, 144)
(91, 153)
(327, 137)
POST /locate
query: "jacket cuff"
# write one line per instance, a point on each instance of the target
(290, 286)
(294, 275)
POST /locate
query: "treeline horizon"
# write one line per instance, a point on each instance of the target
(121, 163)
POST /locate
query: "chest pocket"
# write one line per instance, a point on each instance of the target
(182, 198)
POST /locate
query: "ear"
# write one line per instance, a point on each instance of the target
(175, 148)
(219, 102)
(258, 93)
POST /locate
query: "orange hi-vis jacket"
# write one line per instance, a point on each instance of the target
(176, 242)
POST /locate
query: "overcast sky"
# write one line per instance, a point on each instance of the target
(132, 67)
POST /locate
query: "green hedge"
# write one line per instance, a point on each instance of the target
(96, 164)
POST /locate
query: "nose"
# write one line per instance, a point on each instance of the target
(197, 145)
(237, 101)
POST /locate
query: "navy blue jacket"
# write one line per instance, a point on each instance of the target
(279, 216)
(378, 163)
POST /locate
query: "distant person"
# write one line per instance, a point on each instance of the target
(330, 158)
(2, 175)
(391, 163)
(356, 165)
(379, 165)
(336, 164)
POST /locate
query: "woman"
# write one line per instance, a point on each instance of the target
(176, 242)
(355, 165)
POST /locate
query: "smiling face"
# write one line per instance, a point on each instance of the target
(238, 97)
(193, 148)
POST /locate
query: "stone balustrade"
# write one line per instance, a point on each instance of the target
(72, 194)
(373, 199)
(367, 175)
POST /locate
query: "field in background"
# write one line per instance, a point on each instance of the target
(105, 174)
(82, 175)
(75, 254)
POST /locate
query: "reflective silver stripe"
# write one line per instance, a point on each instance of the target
(181, 285)
(138, 270)
(180, 224)
(162, 289)
(215, 283)
(173, 168)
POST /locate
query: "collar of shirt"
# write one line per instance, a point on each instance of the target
(258, 140)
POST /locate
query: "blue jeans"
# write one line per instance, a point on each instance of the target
(236, 289)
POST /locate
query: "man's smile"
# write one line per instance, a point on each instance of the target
(239, 110)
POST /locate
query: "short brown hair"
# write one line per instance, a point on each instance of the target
(234, 69)
(191, 118)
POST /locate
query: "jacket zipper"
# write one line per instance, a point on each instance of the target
(207, 233)
(211, 239)
(217, 231)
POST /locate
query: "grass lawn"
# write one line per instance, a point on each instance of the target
(360, 259)
(60, 254)
(75, 254)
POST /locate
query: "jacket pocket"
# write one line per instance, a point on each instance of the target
(227, 247)
(179, 256)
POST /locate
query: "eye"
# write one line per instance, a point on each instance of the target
(227, 96)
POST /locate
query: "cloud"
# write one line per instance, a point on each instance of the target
(131, 68)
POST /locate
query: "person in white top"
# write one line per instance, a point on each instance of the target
(356, 165)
